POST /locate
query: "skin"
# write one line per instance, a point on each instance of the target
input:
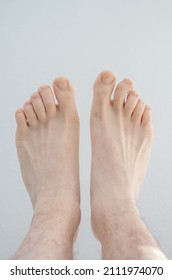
(121, 136)
(47, 140)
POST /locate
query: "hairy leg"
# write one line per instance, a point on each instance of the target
(121, 135)
(47, 140)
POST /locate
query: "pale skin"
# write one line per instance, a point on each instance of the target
(47, 140)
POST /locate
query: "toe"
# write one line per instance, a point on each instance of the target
(147, 115)
(103, 87)
(65, 94)
(21, 120)
(138, 112)
(38, 106)
(48, 99)
(131, 102)
(122, 89)
(30, 114)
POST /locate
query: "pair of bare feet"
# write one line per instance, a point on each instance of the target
(47, 140)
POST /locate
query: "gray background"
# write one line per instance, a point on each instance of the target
(40, 40)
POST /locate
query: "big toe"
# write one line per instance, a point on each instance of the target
(64, 93)
(103, 88)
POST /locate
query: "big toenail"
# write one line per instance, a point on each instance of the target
(107, 78)
(62, 83)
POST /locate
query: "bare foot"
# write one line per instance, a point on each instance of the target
(121, 135)
(47, 140)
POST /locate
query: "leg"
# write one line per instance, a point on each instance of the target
(121, 135)
(47, 140)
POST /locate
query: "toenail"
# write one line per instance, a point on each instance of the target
(141, 101)
(44, 87)
(27, 103)
(134, 93)
(128, 81)
(61, 83)
(35, 95)
(107, 77)
(19, 111)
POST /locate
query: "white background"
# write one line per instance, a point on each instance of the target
(40, 40)
(86, 269)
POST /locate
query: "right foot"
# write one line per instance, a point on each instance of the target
(121, 135)
(47, 140)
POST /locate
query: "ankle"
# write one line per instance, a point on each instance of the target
(61, 219)
(112, 204)
(49, 238)
(105, 217)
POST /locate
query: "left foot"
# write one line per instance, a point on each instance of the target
(121, 135)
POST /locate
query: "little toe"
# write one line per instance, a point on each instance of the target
(65, 94)
(122, 89)
(131, 102)
(48, 99)
(30, 114)
(21, 120)
(38, 106)
(103, 87)
(138, 112)
(147, 115)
